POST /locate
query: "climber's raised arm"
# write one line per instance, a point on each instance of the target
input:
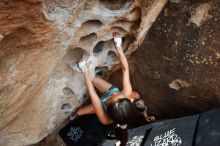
(127, 88)
(102, 116)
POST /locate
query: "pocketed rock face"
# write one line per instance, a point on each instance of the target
(177, 68)
(41, 42)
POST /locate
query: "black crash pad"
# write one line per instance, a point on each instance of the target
(198, 130)
(173, 132)
(109, 142)
(84, 131)
(208, 133)
(136, 136)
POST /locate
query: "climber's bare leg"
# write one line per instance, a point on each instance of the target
(88, 109)
(101, 84)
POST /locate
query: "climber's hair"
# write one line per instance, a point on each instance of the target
(124, 114)
(121, 111)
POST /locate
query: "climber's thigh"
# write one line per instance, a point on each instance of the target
(101, 84)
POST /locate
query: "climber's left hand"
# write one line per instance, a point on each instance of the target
(117, 39)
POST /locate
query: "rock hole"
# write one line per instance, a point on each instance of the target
(117, 4)
(89, 27)
(66, 107)
(124, 25)
(120, 30)
(134, 15)
(101, 71)
(73, 56)
(99, 47)
(126, 41)
(91, 24)
(136, 25)
(112, 56)
(89, 39)
(67, 91)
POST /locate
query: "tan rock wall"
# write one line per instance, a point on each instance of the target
(41, 42)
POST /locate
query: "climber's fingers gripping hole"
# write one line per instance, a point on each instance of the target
(117, 39)
(82, 66)
(116, 34)
(85, 62)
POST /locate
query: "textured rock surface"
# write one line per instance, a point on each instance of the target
(41, 42)
(177, 68)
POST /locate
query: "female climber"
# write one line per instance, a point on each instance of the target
(123, 108)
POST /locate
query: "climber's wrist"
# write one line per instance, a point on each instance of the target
(119, 50)
(85, 72)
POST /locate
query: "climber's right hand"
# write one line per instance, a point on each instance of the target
(82, 66)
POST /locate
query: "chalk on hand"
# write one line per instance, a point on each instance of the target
(118, 41)
(82, 66)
